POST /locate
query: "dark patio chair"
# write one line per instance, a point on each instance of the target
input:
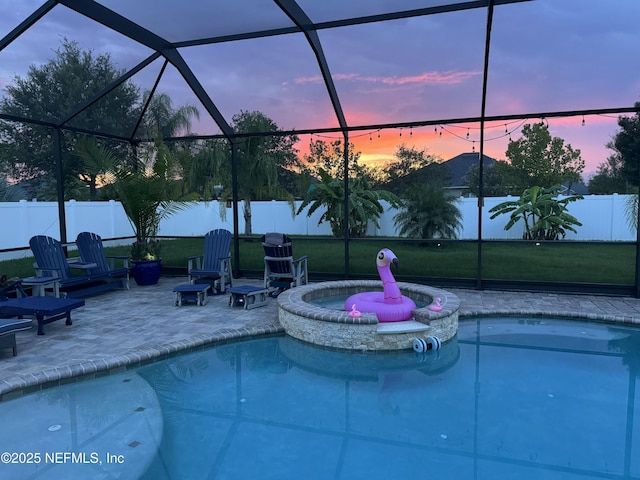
(214, 266)
(92, 251)
(52, 262)
(281, 270)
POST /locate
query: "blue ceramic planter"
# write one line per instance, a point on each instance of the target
(146, 272)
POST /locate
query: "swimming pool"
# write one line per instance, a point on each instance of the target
(522, 397)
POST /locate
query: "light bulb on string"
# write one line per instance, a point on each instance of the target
(411, 131)
(506, 130)
(467, 133)
(583, 122)
(400, 133)
(473, 148)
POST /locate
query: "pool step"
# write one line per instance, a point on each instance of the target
(394, 328)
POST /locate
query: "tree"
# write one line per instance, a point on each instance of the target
(627, 144)
(429, 212)
(363, 203)
(329, 157)
(10, 193)
(261, 160)
(539, 159)
(410, 169)
(162, 120)
(499, 179)
(50, 92)
(408, 159)
(609, 178)
(544, 215)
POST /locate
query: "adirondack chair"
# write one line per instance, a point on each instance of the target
(92, 251)
(214, 266)
(51, 261)
(281, 270)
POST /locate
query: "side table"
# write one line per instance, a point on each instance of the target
(40, 284)
(192, 292)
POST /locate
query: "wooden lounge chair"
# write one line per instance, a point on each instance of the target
(51, 261)
(214, 266)
(92, 251)
(281, 270)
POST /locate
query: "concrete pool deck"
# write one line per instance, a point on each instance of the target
(121, 329)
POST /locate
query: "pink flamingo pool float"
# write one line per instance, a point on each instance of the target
(389, 305)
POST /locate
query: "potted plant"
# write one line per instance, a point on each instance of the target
(149, 192)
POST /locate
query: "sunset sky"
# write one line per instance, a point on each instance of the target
(546, 55)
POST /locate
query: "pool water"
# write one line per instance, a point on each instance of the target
(508, 398)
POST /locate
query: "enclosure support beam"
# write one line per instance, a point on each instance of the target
(346, 204)
(637, 276)
(485, 78)
(234, 196)
(57, 151)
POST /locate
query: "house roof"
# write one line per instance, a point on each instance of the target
(459, 166)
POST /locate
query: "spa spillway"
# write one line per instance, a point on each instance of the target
(310, 322)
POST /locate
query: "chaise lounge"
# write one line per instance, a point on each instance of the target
(44, 309)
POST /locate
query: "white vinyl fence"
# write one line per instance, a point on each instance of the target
(602, 216)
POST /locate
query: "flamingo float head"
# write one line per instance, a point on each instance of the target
(386, 257)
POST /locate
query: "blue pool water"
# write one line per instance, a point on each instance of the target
(519, 398)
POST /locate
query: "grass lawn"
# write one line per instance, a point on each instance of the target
(555, 261)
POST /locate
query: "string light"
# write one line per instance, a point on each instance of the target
(411, 131)
(583, 121)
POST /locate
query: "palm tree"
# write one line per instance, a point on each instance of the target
(429, 212)
(364, 203)
(545, 216)
(162, 120)
(261, 161)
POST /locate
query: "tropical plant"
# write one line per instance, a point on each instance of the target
(363, 203)
(545, 216)
(149, 192)
(429, 212)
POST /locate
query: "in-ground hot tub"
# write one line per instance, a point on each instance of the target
(304, 320)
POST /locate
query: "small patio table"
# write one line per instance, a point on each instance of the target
(194, 292)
